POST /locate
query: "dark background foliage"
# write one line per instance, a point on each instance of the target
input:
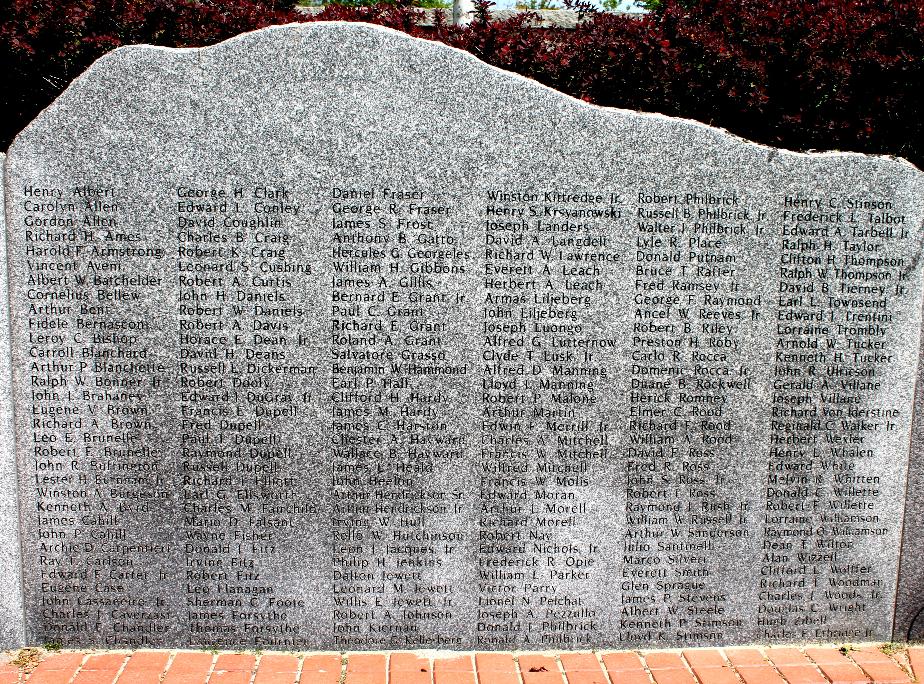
(825, 74)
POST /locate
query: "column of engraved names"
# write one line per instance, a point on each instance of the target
(90, 380)
(547, 264)
(240, 387)
(393, 438)
(838, 275)
(691, 321)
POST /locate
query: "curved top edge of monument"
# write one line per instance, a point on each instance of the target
(272, 31)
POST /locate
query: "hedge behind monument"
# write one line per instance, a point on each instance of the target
(827, 74)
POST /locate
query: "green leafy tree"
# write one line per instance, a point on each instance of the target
(537, 5)
(657, 6)
(426, 4)
(617, 5)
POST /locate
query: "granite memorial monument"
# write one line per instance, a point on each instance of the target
(326, 337)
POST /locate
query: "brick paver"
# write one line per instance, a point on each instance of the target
(496, 668)
(189, 667)
(582, 668)
(704, 657)
(878, 666)
(668, 668)
(625, 667)
(409, 668)
(836, 667)
(326, 669)
(539, 669)
(710, 666)
(9, 674)
(59, 668)
(101, 669)
(365, 668)
(144, 667)
(795, 666)
(772, 665)
(276, 668)
(752, 666)
(233, 668)
(454, 670)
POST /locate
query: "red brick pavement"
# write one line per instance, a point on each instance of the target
(777, 665)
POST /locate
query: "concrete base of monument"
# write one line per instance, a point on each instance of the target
(827, 664)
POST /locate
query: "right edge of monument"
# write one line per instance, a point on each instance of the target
(909, 596)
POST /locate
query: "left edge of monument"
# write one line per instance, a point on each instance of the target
(12, 627)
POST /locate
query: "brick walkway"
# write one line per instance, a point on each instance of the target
(821, 665)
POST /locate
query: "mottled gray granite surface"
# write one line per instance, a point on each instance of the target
(11, 616)
(318, 347)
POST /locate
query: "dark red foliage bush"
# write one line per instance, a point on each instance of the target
(45, 44)
(825, 74)
(820, 74)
